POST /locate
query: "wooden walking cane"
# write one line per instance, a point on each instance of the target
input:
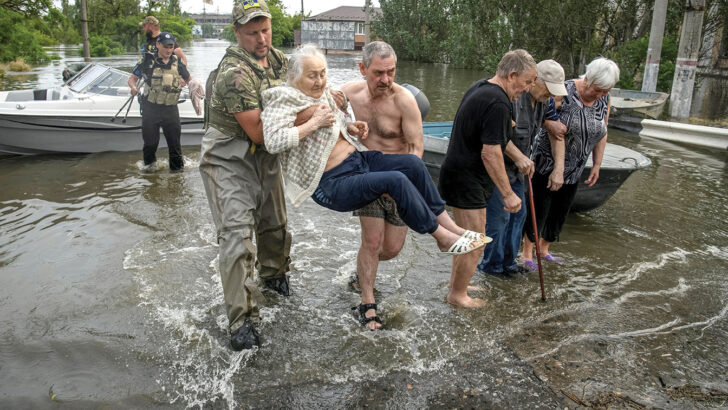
(535, 235)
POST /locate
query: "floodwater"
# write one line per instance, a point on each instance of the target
(110, 294)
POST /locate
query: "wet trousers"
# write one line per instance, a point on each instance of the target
(506, 230)
(552, 207)
(155, 116)
(364, 176)
(245, 193)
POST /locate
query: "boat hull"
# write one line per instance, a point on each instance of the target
(636, 103)
(58, 134)
(617, 165)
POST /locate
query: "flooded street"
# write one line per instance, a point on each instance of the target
(110, 293)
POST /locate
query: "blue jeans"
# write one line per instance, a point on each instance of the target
(364, 176)
(506, 230)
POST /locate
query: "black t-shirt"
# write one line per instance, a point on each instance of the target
(150, 47)
(483, 118)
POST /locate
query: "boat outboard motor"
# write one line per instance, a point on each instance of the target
(422, 102)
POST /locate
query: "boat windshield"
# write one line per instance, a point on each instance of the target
(99, 79)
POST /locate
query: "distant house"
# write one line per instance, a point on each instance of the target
(218, 21)
(341, 28)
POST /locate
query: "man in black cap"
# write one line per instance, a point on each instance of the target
(162, 74)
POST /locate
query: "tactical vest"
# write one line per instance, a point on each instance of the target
(217, 116)
(165, 85)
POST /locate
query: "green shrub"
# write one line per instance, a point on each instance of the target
(103, 46)
(18, 39)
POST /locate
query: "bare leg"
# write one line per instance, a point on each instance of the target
(380, 241)
(527, 253)
(367, 261)
(544, 245)
(463, 266)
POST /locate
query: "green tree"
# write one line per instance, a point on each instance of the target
(228, 34)
(208, 30)
(18, 39)
(26, 7)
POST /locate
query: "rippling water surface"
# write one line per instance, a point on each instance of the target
(111, 295)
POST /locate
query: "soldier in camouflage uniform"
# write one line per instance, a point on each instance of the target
(243, 181)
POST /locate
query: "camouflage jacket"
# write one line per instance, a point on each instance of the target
(239, 84)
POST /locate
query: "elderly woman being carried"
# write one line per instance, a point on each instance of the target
(322, 157)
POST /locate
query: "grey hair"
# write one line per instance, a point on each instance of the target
(602, 72)
(377, 48)
(517, 60)
(295, 63)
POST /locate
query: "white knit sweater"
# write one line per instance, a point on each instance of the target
(303, 160)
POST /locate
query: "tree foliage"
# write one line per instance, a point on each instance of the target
(476, 33)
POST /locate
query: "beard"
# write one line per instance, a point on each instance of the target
(149, 35)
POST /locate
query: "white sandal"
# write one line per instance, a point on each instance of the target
(479, 237)
(464, 244)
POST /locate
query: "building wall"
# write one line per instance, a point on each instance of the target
(329, 35)
(218, 21)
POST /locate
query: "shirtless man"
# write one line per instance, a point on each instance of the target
(395, 127)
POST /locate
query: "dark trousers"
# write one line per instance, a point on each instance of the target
(551, 208)
(155, 116)
(364, 176)
(506, 229)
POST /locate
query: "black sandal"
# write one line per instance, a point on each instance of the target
(362, 309)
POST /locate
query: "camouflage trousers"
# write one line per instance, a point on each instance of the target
(245, 193)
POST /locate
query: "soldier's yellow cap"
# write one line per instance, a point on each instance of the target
(246, 10)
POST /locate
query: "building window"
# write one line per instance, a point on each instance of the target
(359, 28)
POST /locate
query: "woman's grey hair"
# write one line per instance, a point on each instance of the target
(602, 72)
(295, 63)
(517, 60)
(377, 48)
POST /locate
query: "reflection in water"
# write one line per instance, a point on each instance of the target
(111, 293)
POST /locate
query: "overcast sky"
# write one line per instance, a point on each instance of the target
(292, 6)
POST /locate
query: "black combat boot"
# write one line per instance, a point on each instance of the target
(245, 337)
(279, 284)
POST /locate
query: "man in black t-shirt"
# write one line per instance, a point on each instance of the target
(474, 166)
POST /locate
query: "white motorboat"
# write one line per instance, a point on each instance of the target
(81, 116)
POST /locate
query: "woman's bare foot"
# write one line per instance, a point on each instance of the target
(465, 301)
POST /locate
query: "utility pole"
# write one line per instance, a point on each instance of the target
(302, 12)
(367, 20)
(652, 66)
(686, 65)
(84, 32)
